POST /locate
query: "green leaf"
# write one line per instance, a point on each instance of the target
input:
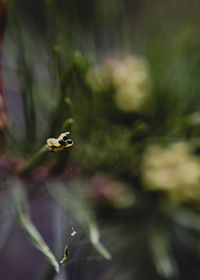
(35, 160)
(188, 219)
(160, 249)
(23, 217)
(94, 238)
(82, 212)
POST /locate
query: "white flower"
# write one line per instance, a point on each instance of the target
(173, 169)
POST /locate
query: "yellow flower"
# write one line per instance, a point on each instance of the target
(129, 75)
(173, 169)
(127, 69)
(97, 78)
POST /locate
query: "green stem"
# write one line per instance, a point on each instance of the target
(36, 158)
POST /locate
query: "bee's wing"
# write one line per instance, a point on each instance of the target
(62, 135)
(53, 142)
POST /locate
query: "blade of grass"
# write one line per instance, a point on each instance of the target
(161, 252)
(26, 77)
(35, 160)
(21, 210)
(83, 214)
(187, 219)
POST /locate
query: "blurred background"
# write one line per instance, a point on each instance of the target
(123, 77)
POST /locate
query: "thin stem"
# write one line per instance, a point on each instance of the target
(37, 158)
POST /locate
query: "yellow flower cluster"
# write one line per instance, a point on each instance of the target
(130, 77)
(173, 169)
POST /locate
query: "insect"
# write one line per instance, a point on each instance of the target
(73, 233)
(66, 254)
(66, 249)
(60, 143)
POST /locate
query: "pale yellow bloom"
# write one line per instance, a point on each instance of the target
(130, 98)
(127, 69)
(129, 75)
(97, 78)
(173, 169)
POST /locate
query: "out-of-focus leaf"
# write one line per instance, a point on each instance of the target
(188, 219)
(6, 220)
(36, 159)
(82, 213)
(22, 213)
(160, 249)
(94, 238)
(67, 124)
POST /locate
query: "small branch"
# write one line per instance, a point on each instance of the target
(35, 160)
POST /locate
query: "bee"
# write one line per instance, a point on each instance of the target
(60, 143)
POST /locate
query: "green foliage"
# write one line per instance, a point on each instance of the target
(23, 216)
(111, 141)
